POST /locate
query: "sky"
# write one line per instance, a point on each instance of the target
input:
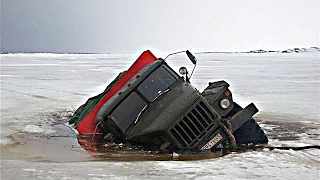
(119, 26)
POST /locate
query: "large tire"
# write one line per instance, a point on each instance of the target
(250, 132)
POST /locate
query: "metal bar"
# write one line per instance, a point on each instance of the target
(243, 116)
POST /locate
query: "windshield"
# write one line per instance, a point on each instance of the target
(127, 112)
(156, 83)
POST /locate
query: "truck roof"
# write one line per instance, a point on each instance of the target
(126, 90)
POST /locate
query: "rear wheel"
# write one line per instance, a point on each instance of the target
(250, 132)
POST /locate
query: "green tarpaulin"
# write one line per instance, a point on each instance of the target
(85, 109)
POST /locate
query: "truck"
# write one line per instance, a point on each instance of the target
(159, 109)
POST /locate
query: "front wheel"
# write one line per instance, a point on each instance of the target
(250, 132)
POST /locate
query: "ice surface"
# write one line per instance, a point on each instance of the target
(38, 129)
(6, 141)
(41, 90)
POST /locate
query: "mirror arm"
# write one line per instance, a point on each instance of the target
(173, 54)
(187, 78)
(192, 70)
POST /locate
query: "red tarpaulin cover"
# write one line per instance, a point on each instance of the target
(87, 125)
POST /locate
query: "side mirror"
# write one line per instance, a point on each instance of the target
(191, 57)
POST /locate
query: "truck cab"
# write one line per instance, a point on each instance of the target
(159, 109)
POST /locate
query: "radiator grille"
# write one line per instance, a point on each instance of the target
(192, 127)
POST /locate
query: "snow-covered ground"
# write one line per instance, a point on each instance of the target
(40, 91)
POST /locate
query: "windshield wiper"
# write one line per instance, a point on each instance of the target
(144, 108)
(160, 93)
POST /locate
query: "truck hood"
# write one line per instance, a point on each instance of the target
(161, 114)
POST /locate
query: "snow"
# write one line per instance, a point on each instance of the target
(41, 90)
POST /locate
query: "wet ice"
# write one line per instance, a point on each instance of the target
(40, 90)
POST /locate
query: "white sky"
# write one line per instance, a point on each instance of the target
(103, 26)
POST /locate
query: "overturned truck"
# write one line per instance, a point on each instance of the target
(152, 106)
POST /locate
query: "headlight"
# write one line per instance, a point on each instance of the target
(183, 71)
(224, 103)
